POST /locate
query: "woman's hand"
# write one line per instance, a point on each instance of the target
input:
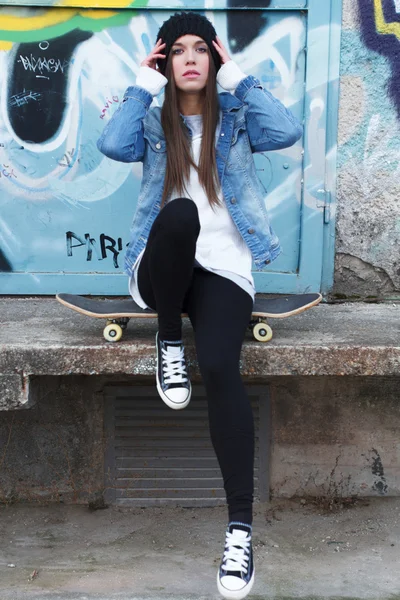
(151, 59)
(222, 51)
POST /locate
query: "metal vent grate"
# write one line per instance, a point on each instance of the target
(156, 456)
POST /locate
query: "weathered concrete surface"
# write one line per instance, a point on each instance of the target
(38, 336)
(54, 452)
(303, 551)
(331, 437)
(335, 436)
(367, 260)
(15, 391)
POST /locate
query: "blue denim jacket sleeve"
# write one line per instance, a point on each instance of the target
(270, 125)
(122, 137)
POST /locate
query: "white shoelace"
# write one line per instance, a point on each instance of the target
(236, 558)
(174, 368)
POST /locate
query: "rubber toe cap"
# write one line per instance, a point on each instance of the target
(178, 395)
(232, 583)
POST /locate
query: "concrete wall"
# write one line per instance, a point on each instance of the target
(331, 437)
(54, 451)
(368, 205)
(335, 437)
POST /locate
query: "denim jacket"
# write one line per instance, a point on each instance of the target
(252, 120)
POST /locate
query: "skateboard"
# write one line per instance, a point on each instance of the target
(118, 312)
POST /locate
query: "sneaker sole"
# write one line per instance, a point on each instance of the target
(168, 401)
(235, 594)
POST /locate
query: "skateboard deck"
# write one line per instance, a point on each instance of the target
(118, 312)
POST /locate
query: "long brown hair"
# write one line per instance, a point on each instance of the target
(179, 158)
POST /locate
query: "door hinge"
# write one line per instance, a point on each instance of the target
(327, 207)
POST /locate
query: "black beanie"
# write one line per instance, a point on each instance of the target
(186, 23)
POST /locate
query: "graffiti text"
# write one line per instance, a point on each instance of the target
(115, 247)
(42, 65)
(24, 97)
(107, 105)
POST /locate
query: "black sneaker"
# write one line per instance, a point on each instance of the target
(236, 572)
(173, 383)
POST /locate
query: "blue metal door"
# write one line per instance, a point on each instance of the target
(65, 209)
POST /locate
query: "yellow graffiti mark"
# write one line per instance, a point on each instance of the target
(5, 45)
(382, 26)
(99, 3)
(97, 14)
(52, 17)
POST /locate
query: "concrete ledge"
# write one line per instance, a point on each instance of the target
(38, 336)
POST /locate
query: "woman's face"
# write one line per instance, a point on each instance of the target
(190, 63)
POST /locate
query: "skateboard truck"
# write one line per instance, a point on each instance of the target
(262, 332)
(114, 329)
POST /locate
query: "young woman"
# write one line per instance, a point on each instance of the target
(200, 220)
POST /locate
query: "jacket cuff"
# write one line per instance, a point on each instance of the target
(229, 75)
(245, 85)
(151, 80)
(138, 93)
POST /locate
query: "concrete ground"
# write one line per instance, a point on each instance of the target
(303, 549)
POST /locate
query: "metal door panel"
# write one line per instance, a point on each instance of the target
(66, 209)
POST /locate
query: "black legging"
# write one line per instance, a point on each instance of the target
(219, 311)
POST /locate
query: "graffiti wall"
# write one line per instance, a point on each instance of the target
(65, 208)
(368, 221)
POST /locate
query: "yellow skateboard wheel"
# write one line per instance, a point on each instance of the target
(262, 332)
(112, 332)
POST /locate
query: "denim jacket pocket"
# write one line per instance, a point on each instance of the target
(157, 143)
